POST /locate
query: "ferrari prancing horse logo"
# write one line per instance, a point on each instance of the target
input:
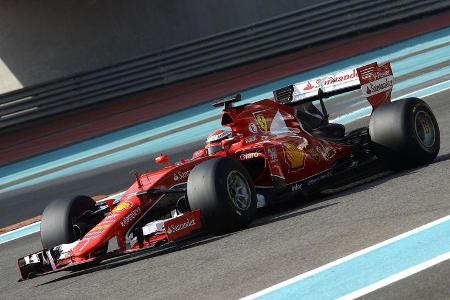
(262, 123)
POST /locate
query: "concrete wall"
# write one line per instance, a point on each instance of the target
(42, 40)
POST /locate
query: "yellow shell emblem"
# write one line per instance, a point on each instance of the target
(262, 123)
(121, 206)
(294, 156)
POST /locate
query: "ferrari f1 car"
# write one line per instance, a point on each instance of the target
(269, 150)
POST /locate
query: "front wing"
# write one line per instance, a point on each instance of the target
(174, 231)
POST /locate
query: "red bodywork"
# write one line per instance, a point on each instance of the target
(291, 155)
(267, 138)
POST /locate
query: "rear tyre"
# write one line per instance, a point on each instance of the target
(223, 190)
(405, 133)
(62, 220)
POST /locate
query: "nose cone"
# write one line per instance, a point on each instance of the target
(94, 239)
(117, 221)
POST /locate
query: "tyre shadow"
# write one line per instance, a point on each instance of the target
(282, 214)
(440, 158)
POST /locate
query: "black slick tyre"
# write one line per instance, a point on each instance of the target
(62, 220)
(223, 191)
(405, 133)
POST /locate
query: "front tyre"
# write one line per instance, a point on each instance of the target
(223, 191)
(405, 133)
(64, 220)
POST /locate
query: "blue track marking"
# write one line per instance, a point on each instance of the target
(366, 111)
(21, 232)
(33, 228)
(182, 119)
(360, 270)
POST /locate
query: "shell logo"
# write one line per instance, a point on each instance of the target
(100, 227)
(294, 156)
(121, 206)
(308, 87)
(262, 122)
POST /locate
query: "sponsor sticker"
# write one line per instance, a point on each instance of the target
(319, 178)
(343, 76)
(250, 155)
(176, 228)
(309, 86)
(93, 234)
(272, 152)
(295, 157)
(252, 128)
(183, 225)
(130, 217)
(180, 175)
(326, 151)
(218, 136)
(121, 206)
(378, 86)
(250, 139)
(101, 227)
(327, 83)
(297, 187)
(262, 123)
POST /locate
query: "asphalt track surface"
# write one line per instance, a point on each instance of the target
(290, 240)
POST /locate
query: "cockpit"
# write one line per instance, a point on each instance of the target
(214, 141)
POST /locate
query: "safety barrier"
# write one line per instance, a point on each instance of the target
(317, 24)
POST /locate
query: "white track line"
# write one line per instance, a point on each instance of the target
(357, 112)
(396, 277)
(425, 88)
(346, 258)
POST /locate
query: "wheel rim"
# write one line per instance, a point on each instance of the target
(238, 190)
(425, 131)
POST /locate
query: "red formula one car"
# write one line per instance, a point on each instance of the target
(269, 150)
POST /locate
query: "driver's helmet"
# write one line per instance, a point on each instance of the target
(214, 141)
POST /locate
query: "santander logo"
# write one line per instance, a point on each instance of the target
(378, 86)
(330, 80)
(308, 86)
(180, 175)
(176, 228)
(335, 79)
(182, 225)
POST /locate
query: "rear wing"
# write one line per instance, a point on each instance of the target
(375, 81)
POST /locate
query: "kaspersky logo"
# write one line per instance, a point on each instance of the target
(176, 228)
